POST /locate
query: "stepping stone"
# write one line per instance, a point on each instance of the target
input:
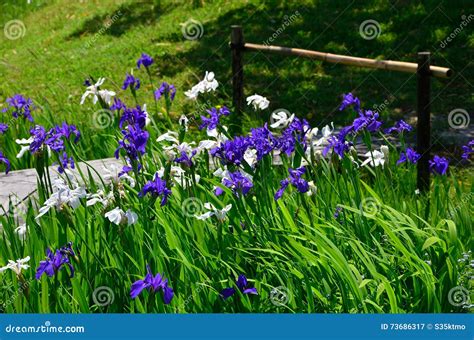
(19, 185)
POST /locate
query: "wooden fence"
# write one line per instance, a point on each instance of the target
(423, 69)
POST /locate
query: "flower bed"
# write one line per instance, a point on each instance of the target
(283, 218)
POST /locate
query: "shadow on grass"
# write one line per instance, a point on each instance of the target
(125, 17)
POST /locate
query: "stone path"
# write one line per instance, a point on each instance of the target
(17, 186)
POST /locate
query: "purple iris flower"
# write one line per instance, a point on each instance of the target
(54, 138)
(283, 185)
(345, 131)
(286, 143)
(3, 128)
(242, 285)
(133, 116)
(294, 133)
(118, 105)
(294, 179)
(144, 60)
(237, 182)
(439, 165)
(166, 90)
(212, 121)
(21, 107)
(409, 155)
(156, 188)
(125, 170)
(399, 127)
(55, 261)
(232, 151)
(39, 137)
(467, 150)
(186, 159)
(55, 142)
(350, 100)
(297, 181)
(367, 119)
(299, 125)
(134, 142)
(65, 163)
(337, 212)
(65, 130)
(153, 284)
(135, 138)
(132, 82)
(263, 141)
(5, 160)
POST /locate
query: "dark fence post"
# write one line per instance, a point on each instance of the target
(237, 46)
(423, 139)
